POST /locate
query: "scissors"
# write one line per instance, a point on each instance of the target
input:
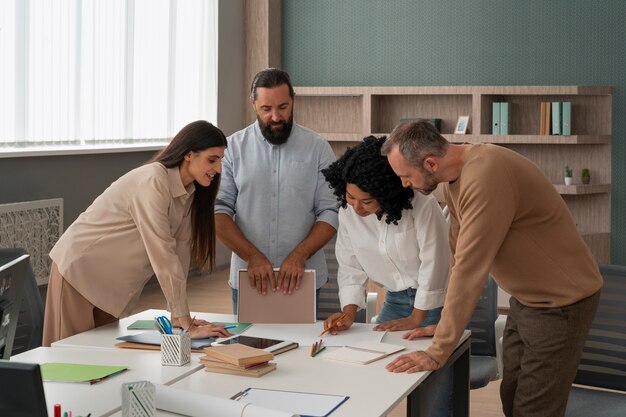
(164, 323)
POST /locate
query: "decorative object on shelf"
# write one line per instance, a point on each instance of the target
(568, 175)
(461, 125)
(584, 176)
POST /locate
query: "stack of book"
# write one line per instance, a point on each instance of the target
(238, 359)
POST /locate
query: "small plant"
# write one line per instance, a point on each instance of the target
(585, 175)
(568, 171)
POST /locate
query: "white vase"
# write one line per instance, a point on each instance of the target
(568, 180)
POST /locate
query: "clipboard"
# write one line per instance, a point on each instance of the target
(276, 307)
(306, 404)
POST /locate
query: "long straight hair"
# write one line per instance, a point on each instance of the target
(196, 137)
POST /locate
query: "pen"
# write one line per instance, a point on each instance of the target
(316, 353)
(232, 326)
(57, 410)
(190, 325)
(239, 395)
(333, 324)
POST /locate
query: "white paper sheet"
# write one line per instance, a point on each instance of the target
(192, 404)
(303, 403)
(307, 334)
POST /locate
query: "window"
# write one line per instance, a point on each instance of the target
(87, 72)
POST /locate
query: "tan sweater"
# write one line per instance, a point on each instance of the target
(138, 226)
(508, 220)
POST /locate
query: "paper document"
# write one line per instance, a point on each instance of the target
(193, 404)
(363, 353)
(306, 334)
(75, 372)
(302, 403)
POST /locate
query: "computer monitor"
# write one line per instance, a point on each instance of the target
(13, 271)
(21, 390)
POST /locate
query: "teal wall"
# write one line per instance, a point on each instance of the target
(472, 42)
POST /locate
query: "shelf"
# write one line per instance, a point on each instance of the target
(345, 115)
(342, 137)
(580, 189)
(532, 139)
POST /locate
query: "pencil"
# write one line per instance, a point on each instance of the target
(333, 324)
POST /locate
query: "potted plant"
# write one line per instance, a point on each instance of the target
(584, 176)
(568, 175)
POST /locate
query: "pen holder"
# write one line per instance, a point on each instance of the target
(138, 399)
(175, 349)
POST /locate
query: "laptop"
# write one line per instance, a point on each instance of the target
(21, 390)
(276, 307)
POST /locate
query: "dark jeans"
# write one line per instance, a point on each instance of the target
(541, 352)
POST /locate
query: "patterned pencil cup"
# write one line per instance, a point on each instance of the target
(175, 349)
(138, 399)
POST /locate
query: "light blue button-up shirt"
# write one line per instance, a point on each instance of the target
(276, 193)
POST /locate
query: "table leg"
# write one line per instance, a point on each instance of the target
(418, 401)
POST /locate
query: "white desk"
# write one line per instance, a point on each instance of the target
(373, 391)
(104, 336)
(102, 398)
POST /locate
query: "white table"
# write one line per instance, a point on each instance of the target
(105, 336)
(373, 391)
(103, 398)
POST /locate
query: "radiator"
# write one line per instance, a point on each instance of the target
(34, 226)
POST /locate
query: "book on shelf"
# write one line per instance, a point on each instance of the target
(566, 118)
(238, 354)
(545, 124)
(363, 352)
(495, 119)
(504, 118)
(556, 117)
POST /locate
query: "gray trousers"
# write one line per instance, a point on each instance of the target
(542, 349)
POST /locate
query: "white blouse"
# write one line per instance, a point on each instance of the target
(412, 254)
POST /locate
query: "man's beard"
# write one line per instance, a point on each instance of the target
(430, 183)
(276, 136)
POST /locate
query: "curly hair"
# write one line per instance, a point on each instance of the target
(364, 166)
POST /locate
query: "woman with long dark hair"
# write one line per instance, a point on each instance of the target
(156, 219)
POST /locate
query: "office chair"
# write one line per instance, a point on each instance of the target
(29, 328)
(485, 342)
(329, 293)
(603, 362)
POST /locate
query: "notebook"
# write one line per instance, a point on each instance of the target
(276, 307)
(238, 354)
(363, 352)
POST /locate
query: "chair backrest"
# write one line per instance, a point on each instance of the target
(603, 362)
(329, 293)
(12, 276)
(29, 327)
(482, 322)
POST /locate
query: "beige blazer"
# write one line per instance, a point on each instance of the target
(137, 227)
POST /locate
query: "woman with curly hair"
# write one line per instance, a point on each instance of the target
(390, 234)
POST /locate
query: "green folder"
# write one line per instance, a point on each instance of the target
(142, 325)
(76, 372)
(237, 330)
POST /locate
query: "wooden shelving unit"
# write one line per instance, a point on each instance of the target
(345, 115)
